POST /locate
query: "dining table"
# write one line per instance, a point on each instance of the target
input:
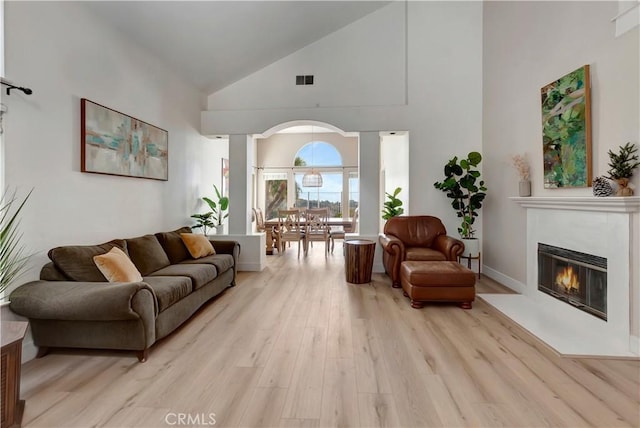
(274, 222)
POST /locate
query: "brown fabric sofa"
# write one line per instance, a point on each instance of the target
(416, 238)
(72, 305)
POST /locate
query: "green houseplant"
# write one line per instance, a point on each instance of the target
(463, 186)
(218, 208)
(203, 221)
(13, 256)
(622, 165)
(393, 205)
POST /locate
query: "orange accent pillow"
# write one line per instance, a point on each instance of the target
(116, 266)
(198, 245)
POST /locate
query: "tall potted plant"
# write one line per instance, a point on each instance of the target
(463, 186)
(218, 209)
(393, 205)
(13, 257)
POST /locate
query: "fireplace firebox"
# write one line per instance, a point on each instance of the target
(576, 278)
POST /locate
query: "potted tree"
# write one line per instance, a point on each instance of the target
(463, 186)
(622, 165)
(218, 209)
(393, 205)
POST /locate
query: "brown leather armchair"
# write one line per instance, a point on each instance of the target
(417, 238)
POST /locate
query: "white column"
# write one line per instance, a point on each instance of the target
(369, 163)
(240, 161)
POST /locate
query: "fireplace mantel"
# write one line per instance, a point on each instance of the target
(605, 227)
(614, 204)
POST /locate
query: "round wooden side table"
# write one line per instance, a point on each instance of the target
(358, 256)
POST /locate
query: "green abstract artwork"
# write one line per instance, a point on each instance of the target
(566, 130)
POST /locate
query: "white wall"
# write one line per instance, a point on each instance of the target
(526, 46)
(348, 65)
(64, 53)
(394, 160)
(443, 64)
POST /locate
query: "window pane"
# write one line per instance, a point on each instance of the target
(354, 192)
(329, 195)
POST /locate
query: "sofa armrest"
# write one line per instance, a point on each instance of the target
(229, 247)
(393, 255)
(86, 301)
(448, 246)
(391, 244)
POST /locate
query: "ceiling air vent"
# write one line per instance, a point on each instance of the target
(304, 80)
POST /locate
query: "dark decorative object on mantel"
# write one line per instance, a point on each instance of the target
(603, 186)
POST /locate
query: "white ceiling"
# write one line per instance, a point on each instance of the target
(215, 43)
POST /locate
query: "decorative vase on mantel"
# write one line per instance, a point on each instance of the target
(524, 188)
(219, 229)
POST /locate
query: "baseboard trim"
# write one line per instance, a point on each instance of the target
(250, 267)
(503, 279)
(634, 344)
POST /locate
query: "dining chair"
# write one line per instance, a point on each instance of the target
(339, 232)
(291, 229)
(317, 228)
(261, 227)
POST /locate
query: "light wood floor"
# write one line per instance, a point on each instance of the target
(297, 346)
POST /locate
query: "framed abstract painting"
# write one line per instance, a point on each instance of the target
(114, 143)
(566, 130)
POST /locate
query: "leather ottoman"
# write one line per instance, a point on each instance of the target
(440, 281)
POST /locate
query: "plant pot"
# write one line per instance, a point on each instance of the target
(525, 188)
(623, 189)
(220, 229)
(471, 247)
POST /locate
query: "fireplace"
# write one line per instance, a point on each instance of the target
(576, 278)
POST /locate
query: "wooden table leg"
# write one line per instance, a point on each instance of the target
(269, 241)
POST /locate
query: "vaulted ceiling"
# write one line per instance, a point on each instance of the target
(215, 43)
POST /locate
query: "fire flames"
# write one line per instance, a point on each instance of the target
(568, 279)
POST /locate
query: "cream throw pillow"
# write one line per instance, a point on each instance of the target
(116, 266)
(198, 245)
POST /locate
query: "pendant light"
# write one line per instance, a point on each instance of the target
(313, 178)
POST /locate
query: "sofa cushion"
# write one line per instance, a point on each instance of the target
(76, 261)
(200, 274)
(147, 254)
(116, 266)
(222, 262)
(169, 289)
(424, 254)
(198, 245)
(172, 244)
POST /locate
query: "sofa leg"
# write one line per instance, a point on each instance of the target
(143, 355)
(405, 294)
(42, 351)
(465, 305)
(396, 285)
(416, 304)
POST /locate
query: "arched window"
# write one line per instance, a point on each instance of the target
(326, 160)
(320, 154)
